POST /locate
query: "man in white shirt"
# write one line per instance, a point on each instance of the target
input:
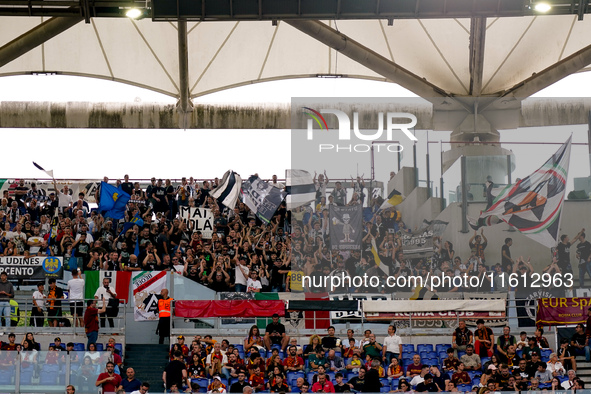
(37, 313)
(104, 294)
(241, 274)
(143, 389)
(64, 198)
(392, 345)
(568, 384)
(253, 285)
(76, 296)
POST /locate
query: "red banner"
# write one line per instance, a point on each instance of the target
(228, 308)
(434, 316)
(562, 311)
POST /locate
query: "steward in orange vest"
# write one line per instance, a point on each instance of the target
(164, 314)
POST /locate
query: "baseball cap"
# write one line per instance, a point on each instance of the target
(492, 366)
(180, 337)
(217, 378)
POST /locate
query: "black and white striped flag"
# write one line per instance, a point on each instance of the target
(300, 188)
(229, 189)
(50, 172)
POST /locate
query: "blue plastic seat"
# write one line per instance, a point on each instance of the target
(425, 348)
(384, 389)
(310, 376)
(201, 382)
(239, 347)
(394, 384)
(442, 347)
(408, 347)
(47, 378)
(119, 347)
(99, 347)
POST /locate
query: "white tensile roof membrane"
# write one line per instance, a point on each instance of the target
(228, 54)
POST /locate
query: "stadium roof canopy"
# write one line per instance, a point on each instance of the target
(434, 48)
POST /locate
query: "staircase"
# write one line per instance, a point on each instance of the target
(584, 370)
(148, 361)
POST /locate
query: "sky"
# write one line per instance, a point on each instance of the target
(85, 154)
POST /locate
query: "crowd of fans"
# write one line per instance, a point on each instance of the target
(243, 253)
(471, 361)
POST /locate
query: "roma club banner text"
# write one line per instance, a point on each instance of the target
(35, 267)
(562, 311)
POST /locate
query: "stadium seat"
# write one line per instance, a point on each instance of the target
(201, 382)
(47, 378)
(465, 387)
(408, 348)
(471, 374)
(6, 375)
(27, 374)
(291, 375)
(442, 347)
(239, 347)
(310, 376)
(460, 354)
(295, 389)
(384, 389)
(352, 375)
(78, 347)
(519, 353)
(99, 347)
(331, 375)
(425, 348)
(119, 347)
(385, 382)
(442, 356)
(484, 360)
(225, 382)
(475, 381)
(394, 384)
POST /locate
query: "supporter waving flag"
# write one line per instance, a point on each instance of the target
(113, 201)
(228, 190)
(300, 188)
(533, 204)
(262, 198)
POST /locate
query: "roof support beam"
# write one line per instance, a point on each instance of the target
(184, 106)
(477, 36)
(551, 74)
(35, 37)
(368, 58)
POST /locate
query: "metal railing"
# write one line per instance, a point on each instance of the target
(51, 371)
(66, 323)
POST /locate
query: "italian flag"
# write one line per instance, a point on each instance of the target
(119, 280)
(322, 317)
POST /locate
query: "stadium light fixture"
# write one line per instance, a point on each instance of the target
(542, 7)
(134, 13)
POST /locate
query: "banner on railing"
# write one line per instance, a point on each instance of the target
(562, 311)
(235, 308)
(198, 219)
(35, 267)
(147, 286)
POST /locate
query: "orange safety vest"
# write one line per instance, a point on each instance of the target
(164, 307)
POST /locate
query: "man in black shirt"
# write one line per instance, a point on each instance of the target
(579, 342)
(506, 260)
(240, 384)
(275, 334)
(330, 341)
(428, 385)
(563, 253)
(372, 378)
(175, 372)
(357, 383)
(341, 386)
(584, 253)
